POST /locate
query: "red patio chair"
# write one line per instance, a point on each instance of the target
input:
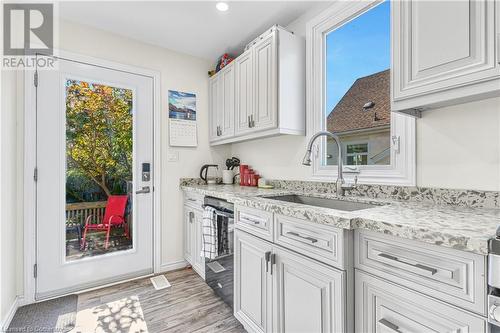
(114, 216)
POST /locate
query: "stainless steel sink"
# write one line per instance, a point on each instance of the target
(344, 205)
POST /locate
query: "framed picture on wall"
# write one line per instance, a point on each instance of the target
(182, 119)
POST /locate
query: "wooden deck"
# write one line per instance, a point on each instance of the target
(189, 305)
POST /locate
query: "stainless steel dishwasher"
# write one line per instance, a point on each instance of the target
(219, 271)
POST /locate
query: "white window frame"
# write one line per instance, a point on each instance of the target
(402, 170)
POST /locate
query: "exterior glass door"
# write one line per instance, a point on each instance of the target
(94, 160)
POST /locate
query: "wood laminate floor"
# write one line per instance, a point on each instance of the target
(189, 305)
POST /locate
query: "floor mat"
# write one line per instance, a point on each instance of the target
(124, 315)
(57, 315)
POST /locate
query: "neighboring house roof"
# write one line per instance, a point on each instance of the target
(349, 115)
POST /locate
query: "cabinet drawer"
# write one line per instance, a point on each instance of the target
(254, 221)
(193, 200)
(453, 276)
(385, 307)
(323, 243)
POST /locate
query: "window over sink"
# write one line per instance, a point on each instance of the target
(349, 94)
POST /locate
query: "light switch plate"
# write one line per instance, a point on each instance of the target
(173, 156)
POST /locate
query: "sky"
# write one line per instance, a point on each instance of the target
(182, 99)
(359, 48)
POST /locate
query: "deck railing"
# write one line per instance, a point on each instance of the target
(77, 213)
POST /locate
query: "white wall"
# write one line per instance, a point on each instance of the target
(8, 194)
(457, 147)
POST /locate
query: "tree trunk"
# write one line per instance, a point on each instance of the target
(103, 185)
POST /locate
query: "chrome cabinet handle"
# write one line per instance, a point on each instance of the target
(389, 325)
(428, 269)
(267, 257)
(145, 189)
(312, 240)
(273, 261)
(248, 219)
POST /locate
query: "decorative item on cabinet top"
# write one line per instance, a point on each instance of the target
(262, 92)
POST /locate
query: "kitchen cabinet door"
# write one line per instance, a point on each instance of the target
(265, 113)
(244, 94)
(443, 51)
(309, 296)
(189, 231)
(252, 282)
(225, 114)
(197, 238)
(385, 307)
(215, 93)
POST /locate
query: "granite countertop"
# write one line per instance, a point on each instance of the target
(461, 228)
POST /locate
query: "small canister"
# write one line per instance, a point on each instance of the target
(243, 171)
(255, 180)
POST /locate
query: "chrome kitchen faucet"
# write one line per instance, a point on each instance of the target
(340, 186)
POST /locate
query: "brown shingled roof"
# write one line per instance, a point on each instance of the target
(349, 115)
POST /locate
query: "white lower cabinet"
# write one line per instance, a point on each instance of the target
(291, 275)
(252, 282)
(198, 259)
(308, 296)
(277, 290)
(189, 218)
(386, 307)
(193, 239)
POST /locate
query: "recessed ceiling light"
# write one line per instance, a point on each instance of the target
(222, 6)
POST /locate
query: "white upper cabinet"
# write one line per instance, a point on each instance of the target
(444, 52)
(265, 111)
(222, 103)
(244, 91)
(215, 104)
(268, 89)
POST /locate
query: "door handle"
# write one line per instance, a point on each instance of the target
(145, 189)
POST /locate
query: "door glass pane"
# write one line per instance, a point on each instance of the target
(357, 105)
(99, 173)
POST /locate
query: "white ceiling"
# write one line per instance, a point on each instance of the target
(192, 27)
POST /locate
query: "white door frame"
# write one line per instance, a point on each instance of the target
(29, 184)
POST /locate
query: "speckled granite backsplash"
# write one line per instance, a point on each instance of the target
(462, 198)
